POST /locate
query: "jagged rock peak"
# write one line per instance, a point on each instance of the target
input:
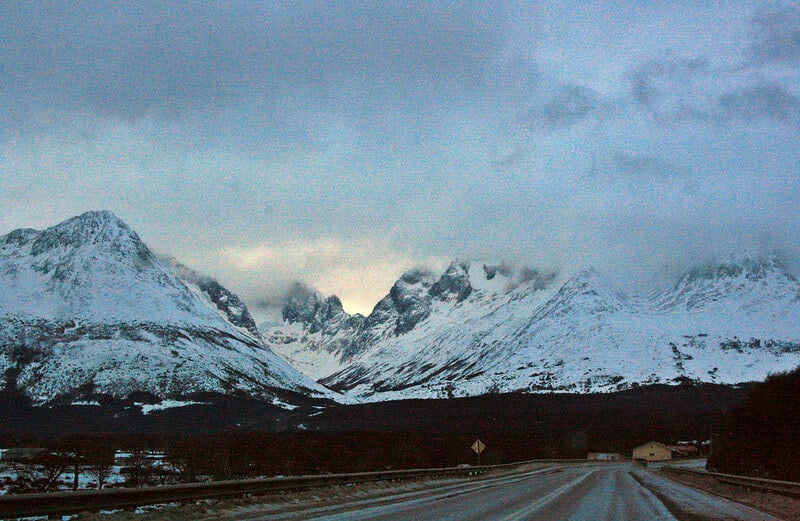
(307, 306)
(751, 267)
(330, 307)
(418, 275)
(300, 303)
(454, 282)
(410, 288)
(514, 276)
(410, 296)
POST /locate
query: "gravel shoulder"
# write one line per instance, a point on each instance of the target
(784, 507)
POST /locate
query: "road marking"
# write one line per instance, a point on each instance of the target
(536, 505)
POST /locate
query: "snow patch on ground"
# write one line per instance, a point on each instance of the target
(147, 408)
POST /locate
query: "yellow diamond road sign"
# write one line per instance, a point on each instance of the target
(478, 446)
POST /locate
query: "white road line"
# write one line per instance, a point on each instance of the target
(544, 500)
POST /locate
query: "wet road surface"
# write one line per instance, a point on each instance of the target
(590, 492)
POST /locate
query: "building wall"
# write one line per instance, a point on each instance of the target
(652, 451)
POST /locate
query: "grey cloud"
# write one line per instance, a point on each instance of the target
(776, 29)
(656, 86)
(569, 105)
(689, 90)
(127, 58)
(122, 59)
(642, 176)
(768, 100)
(355, 138)
(644, 166)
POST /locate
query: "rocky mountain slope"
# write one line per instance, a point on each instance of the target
(87, 309)
(228, 304)
(480, 328)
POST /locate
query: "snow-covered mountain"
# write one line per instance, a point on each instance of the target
(479, 328)
(87, 308)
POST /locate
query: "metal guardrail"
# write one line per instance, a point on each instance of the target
(787, 488)
(64, 503)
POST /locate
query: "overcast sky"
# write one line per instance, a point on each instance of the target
(340, 143)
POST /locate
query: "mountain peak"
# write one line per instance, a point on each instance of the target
(85, 303)
(307, 306)
(300, 303)
(94, 221)
(744, 279)
(98, 227)
(453, 282)
(751, 267)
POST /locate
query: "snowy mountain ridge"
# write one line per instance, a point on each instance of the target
(87, 308)
(481, 328)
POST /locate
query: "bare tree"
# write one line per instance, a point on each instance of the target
(99, 454)
(139, 470)
(40, 474)
(221, 467)
(51, 466)
(100, 470)
(75, 466)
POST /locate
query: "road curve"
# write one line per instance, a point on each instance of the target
(590, 492)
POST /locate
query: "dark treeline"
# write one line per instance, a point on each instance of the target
(553, 425)
(229, 439)
(241, 455)
(762, 435)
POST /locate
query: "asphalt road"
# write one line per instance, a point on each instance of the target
(597, 493)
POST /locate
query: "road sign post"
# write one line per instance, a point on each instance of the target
(478, 447)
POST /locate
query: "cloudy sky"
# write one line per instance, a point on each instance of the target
(340, 143)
